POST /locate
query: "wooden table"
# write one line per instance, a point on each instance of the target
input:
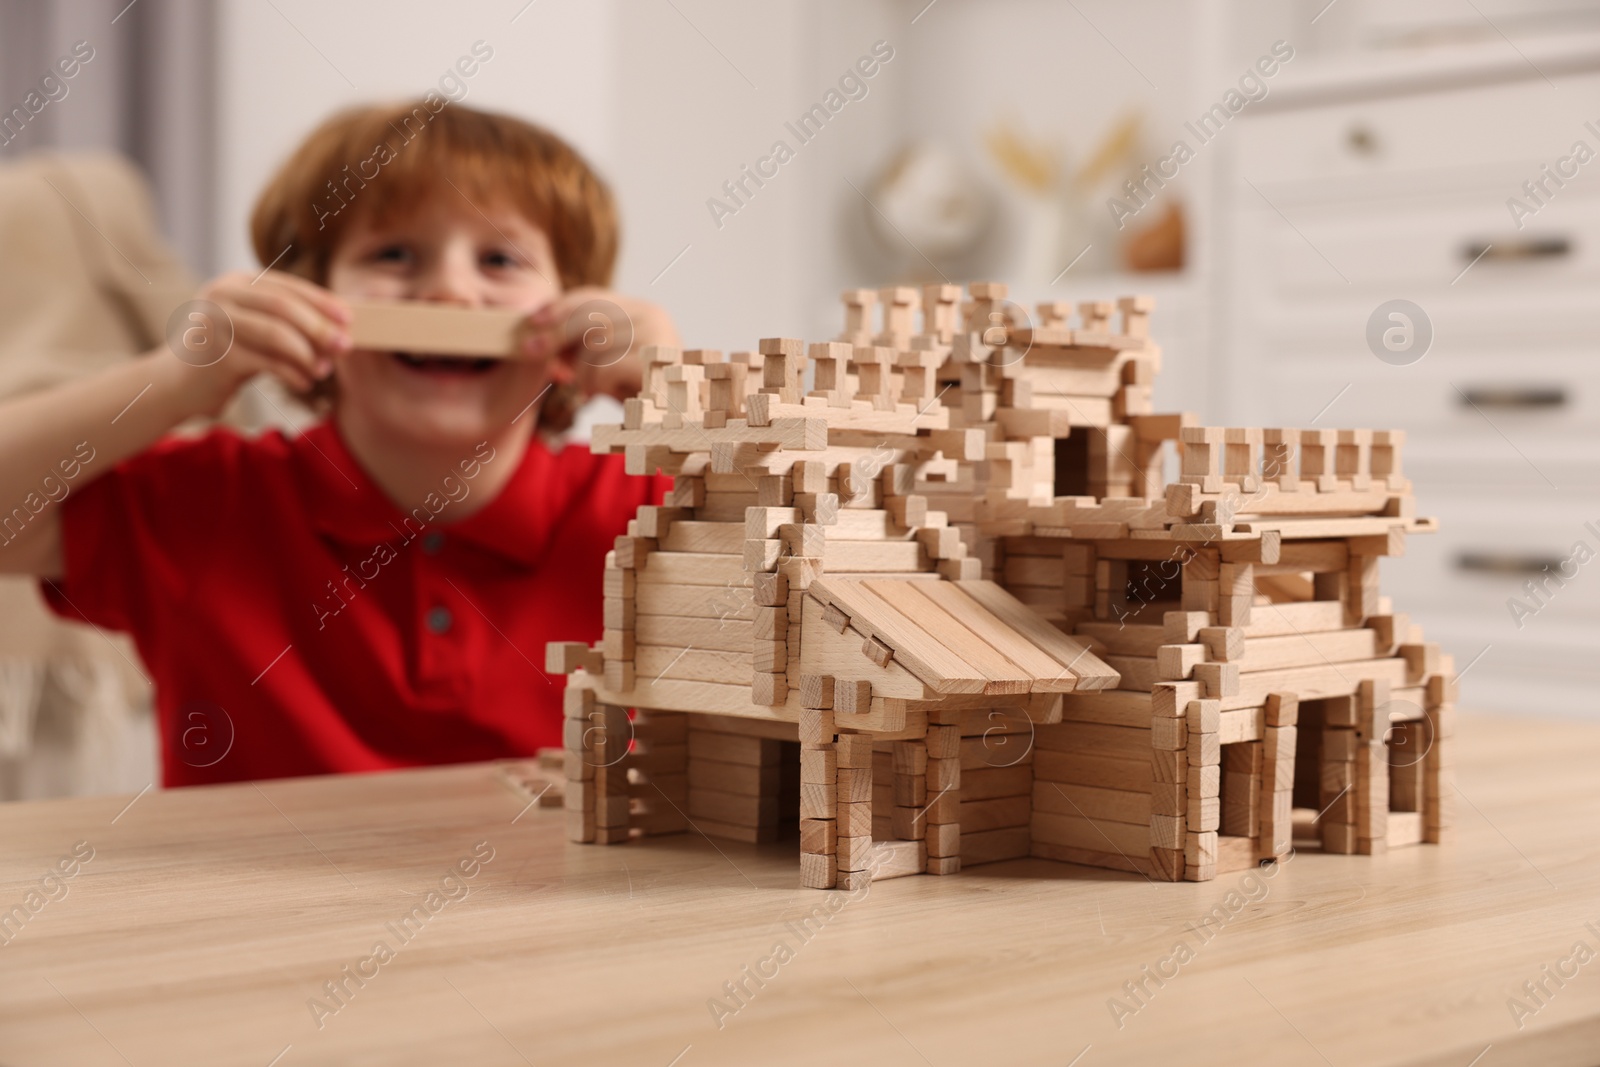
(208, 921)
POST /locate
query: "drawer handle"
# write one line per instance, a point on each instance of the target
(1516, 251)
(1507, 565)
(1514, 396)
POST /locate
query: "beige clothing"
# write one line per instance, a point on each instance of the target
(85, 280)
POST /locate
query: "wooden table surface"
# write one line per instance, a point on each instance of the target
(208, 921)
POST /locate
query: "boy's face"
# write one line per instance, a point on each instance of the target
(445, 251)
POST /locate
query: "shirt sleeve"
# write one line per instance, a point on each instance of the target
(135, 533)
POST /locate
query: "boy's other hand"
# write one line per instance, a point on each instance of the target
(282, 325)
(596, 336)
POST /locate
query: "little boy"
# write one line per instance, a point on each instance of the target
(378, 591)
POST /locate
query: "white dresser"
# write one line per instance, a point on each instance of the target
(1353, 187)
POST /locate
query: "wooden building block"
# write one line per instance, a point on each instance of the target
(771, 624)
(1204, 716)
(854, 852)
(855, 751)
(620, 583)
(878, 652)
(770, 656)
(1339, 838)
(1422, 661)
(910, 757)
(910, 790)
(580, 825)
(1167, 832)
(1217, 680)
(1200, 856)
(1169, 734)
(1361, 589)
(816, 691)
(1167, 864)
(769, 689)
(736, 809)
(436, 329)
(819, 801)
(1372, 706)
(851, 881)
(631, 552)
(1204, 782)
(1371, 791)
(1171, 699)
(943, 742)
(1277, 829)
(852, 696)
(855, 785)
(1282, 709)
(818, 764)
(620, 675)
(1177, 662)
(619, 613)
(770, 589)
(1278, 756)
(725, 747)
(1183, 627)
(897, 859)
(992, 846)
(905, 822)
(1242, 771)
(1203, 813)
(1167, 798)
(943, 839)
(818, 871)
(858, 307)
(564, 657)
(1223, 643)
(1407, 751)
(818, 836)
(830, 361)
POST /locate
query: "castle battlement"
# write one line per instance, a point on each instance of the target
(925, 595)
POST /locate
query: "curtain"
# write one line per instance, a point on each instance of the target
(148, 92)
(84, 78)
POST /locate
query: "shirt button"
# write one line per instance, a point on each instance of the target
(433, 542)
(439, 620)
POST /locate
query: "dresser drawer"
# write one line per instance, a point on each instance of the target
(1490, 545)
(1467, 587)
(1412, 249)
(1544, 402)
(1444, 137)
(1543, 670)
(1336, 208)
(1521, 331)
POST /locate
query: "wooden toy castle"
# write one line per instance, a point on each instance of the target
(944, 608)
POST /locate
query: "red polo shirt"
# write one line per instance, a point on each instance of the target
(295, 621)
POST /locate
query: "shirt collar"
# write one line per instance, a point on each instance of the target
(347, 505)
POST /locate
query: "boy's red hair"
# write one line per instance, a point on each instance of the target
(378, 160)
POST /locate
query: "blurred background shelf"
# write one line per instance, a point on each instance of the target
(1373, 179)
(989, 142)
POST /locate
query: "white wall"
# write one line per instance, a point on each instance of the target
(287, 64)
(670, 100)
(695, 109)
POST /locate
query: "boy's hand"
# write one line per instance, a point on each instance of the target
(281, 324)
(597, 335)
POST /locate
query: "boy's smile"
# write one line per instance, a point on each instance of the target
(446, 366)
